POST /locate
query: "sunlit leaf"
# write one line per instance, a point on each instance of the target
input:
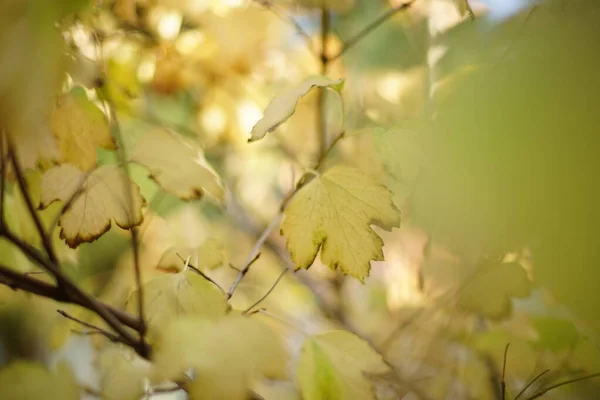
(123, 374)
(227, 355)
(489, 290)
(333, 213)
(178, 166)
(102, 198)
(172, 296)
(24, 380)
(80, 128)
(334, 365)
(282, 107)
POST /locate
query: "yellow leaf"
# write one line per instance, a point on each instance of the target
(80, 128)
(176, 295)
(102, 198)
(489, 291)
(24, 380)
(123, 374)
(333, 213)
(178, 166)
(283, 106)
(228, 355)
(209, 255)
(333, 366)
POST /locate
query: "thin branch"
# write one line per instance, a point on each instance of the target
(531, 382)
(268, 291)
(255, 254)
(199, 272)
(4, 155)
(469, 10)
(563, 383)
(69, 292)
(46, 239)
(96, 329)
(502, 379)
(324, 63)
(348, 44)
(280, 13)
(24, 282)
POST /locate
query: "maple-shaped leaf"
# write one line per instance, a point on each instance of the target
(123, 374)
(176, 295)
(178, 166)
(283, 106)
(489, 290)
(99, 198)
(80, 128)
(227, 355)
(333, 365)
(333, 212)
(25, 380)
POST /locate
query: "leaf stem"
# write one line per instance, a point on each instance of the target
(199, 272)
(563, 383)
(502, 379)
(324, 60)
(268, 291)
(531, 382)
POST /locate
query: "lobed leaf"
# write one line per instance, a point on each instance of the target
(80, 128)
(175, 295)
(283, 106)
(333, 366)
(333, 213)
(99, 198)
(178, 166)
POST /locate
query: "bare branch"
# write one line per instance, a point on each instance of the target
(46, 239)
(17, 281)
(531, 382)
(95, 329)
(348, 44)
(268, 291)
(4, 156)
(563, 383)
(254, 255)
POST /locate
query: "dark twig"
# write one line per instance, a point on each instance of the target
(280, 13)
(324, 59)
(255, 254)
(502, 379)
(112, 337)
(268, 291)
(199, 272)
(348, 44)
(563, 383)
(531, 382)
(4, 155)
(67, 291)
(46, 239)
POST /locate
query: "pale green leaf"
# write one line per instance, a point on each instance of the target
(333, 212)
(555, 333)
(102, 198)
(283, 106)
(178, 165)
(123, 374)
(227, 355)
(172, 296)
(334, 365)
(209, 255)
(24, 380)
(489, 290)
(80, 128)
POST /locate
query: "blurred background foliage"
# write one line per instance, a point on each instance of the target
(482, 116)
